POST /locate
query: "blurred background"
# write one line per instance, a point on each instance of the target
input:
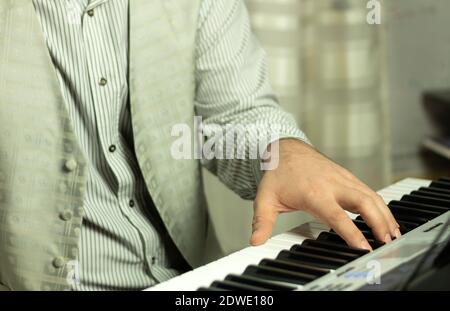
(356, 89)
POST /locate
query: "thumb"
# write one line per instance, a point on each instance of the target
(264, 219)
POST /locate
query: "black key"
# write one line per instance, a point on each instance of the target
(250, 280)
(409, 218)
(375, 243)
(406, 226)
(323, 252)
(274, 274)
(334, 237)
(444, 179)
(435, 190)
(431, 194)
(409, 210)
(295, 266)
(211, 289)
(230, 285)
(402, 216)
(361, 224)
(331, 237)
(421, 206)
(426, 200)
(367, 234)
(440, 184)
(301, 266)
(317, 260)
(336, 247)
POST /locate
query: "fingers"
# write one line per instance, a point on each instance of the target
(385, 211)
(263, 221)
(393, 224)
(360, 203)
(340, 222)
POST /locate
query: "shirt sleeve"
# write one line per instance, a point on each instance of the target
(234, 95)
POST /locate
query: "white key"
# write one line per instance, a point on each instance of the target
(238, 261)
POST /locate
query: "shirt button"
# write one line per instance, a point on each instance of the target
(77, 232)
(68, 148)
(103, 82)
(80, 211)
(71, 165)
(90, 13)
(66, 215)
(59, 262)
(131, 203)
(112, 148)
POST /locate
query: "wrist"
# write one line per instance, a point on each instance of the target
(293, 146)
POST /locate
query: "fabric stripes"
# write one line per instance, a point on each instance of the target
(122, 246)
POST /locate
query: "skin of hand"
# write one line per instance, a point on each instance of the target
(305, 180)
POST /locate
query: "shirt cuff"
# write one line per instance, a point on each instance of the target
(258, 166)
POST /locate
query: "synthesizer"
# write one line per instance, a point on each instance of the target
(313, 257)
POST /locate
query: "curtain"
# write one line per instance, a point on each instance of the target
(327, 65)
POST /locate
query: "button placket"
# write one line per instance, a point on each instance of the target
(96, 68)
(66, 215)
(101, 85)
(59, 262)
(103, 81)
(112, 148)
(71, 165)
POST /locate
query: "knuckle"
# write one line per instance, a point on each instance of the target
(379, 198)
(378, 220)
(350, 175)
(374, 219)
(337, 216)
(313, 192)
(263, 219)
(365, 201)
(331, 178)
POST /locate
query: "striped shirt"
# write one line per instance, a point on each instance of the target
(124, 244)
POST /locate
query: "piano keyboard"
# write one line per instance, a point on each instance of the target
(311, 257)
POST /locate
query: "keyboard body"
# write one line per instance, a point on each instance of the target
(381, 269)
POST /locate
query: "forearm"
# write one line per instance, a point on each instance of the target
(242, 166)
(234, 94)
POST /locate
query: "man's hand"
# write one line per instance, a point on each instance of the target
(308, 181)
